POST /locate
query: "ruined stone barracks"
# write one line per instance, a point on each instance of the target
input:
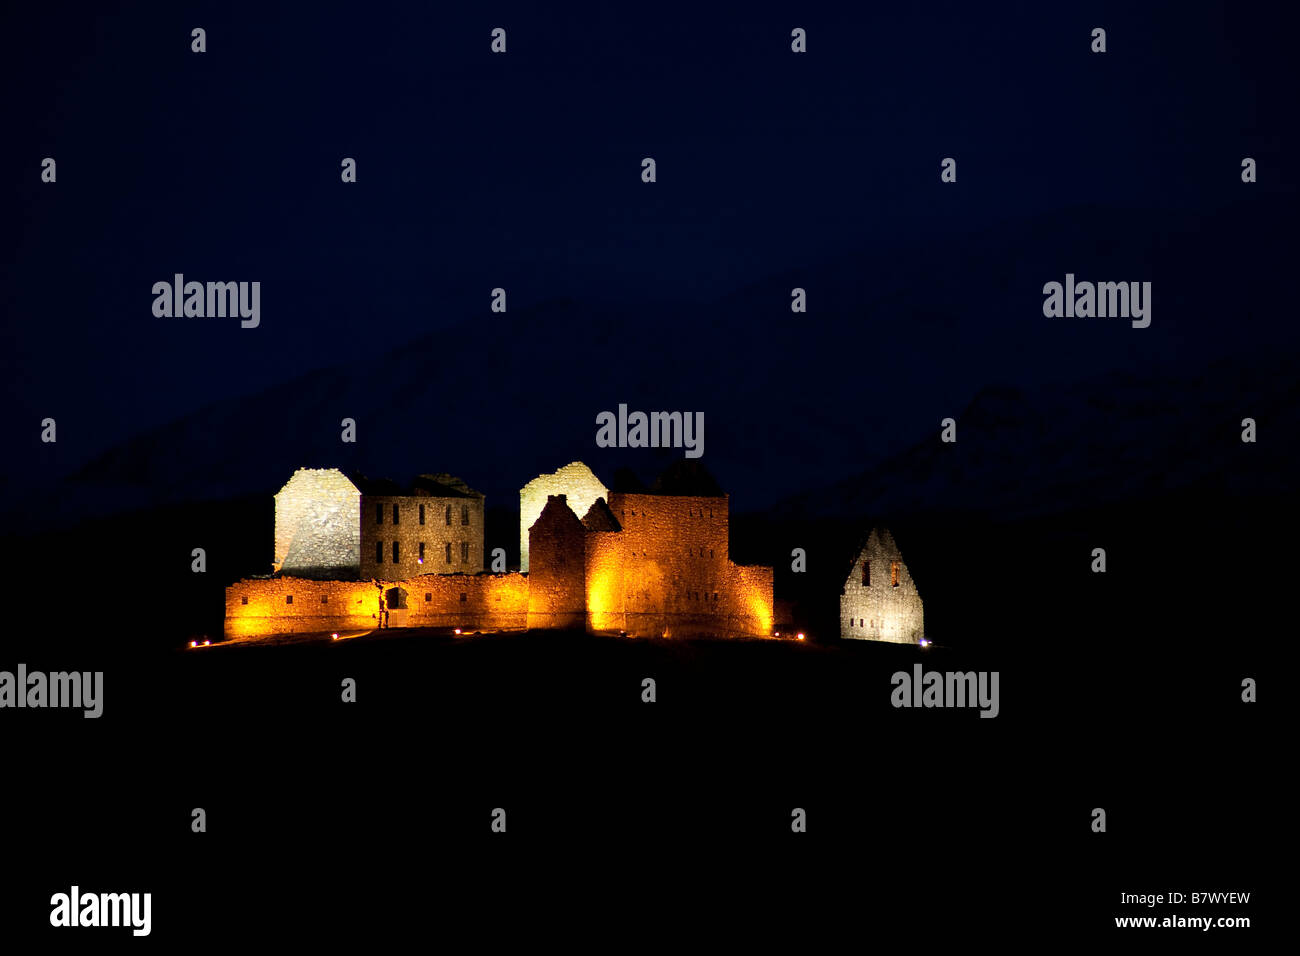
(357, 554)
(879, 600)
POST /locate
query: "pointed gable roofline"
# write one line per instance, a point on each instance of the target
(600, 518)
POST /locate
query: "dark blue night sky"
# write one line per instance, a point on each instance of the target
(523, 171)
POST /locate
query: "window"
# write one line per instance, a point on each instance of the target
(379, 552)
(464, 514)
(866, 574)
(710, 552)
(449, 551)
(395, 552)
(288, 599)
(893, 574)
(422, 552)
(428, 596)
(859, 622)
(449, 514)
(324, 599)
(464, 551)
(379, 512)
(394, 512)
(462, 597)
(850, 622)
(421, 514)
(244, 599)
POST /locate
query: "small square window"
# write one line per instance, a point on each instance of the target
(463, 597)
(244, 599)
(324, 599)
(428, 596)
(288, 599)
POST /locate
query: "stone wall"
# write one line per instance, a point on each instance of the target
(557, 591)
(287, 605)
(575, 481)
(889, 607)
(606, 604)
(435, 534)
(668, 572)
(317, 525)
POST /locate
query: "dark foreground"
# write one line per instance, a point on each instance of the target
(327, 818)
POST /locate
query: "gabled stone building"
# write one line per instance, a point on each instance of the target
(646, 562)
(330, 526)
(880, 601)
(433, 527)
(575, 481)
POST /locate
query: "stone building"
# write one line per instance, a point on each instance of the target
(644, 562)
(433, 527)
(329, 526)
(557, 592)
(318, 525)
(650, 562)
(575, 481)
(880, 601)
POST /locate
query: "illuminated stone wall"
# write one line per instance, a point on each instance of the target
(652, 565)
(672, 575)
(575, 481)
(469, 601)
(604, 581)
(318, 525)
(881, 610)
(557, 592)
(435, 534)
(262, 606)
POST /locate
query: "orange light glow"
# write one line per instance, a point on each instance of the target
(799, 636)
